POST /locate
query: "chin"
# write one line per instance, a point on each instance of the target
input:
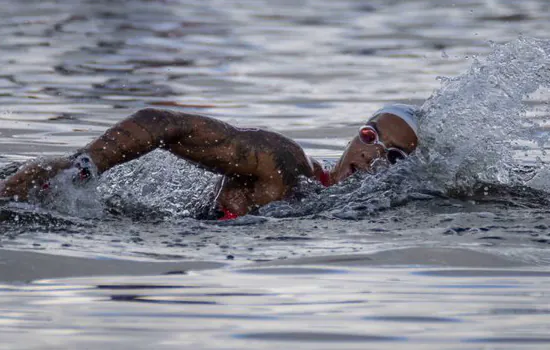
(348, 171)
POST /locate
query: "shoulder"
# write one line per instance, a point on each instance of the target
(278, 155)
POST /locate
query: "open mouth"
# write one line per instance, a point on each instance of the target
(351, 169)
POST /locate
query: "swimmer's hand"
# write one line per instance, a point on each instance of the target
(33, 176)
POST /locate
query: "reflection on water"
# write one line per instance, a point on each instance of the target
(317, 307)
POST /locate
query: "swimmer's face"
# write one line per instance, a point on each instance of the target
(393, 132)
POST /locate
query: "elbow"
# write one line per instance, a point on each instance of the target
(148, 114)
(164, 126)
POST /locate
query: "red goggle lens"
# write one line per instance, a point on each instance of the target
(368, 135)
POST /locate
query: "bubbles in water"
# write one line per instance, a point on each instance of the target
(70, 197)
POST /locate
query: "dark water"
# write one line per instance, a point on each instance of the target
(465, 220)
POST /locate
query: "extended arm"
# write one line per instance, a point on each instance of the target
(210, 143)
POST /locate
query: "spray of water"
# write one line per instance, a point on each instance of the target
(469, 126)
(158, 185)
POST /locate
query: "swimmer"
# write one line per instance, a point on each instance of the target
(258, 166)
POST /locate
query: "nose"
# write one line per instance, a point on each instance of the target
(372, 154)
(365, 157)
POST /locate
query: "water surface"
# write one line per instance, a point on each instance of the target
(304, 306)
(446, 250)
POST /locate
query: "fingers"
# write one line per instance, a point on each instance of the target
(32, 176)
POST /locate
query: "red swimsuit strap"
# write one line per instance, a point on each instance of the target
(228, 215)
(324, 178)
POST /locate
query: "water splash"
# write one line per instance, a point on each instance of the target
(469, 126)
(158, 183)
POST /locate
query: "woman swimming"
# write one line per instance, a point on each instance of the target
(258, 166)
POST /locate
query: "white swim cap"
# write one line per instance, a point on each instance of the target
(403, 111)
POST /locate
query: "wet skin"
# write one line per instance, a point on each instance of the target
(393, 132)
(259, 166)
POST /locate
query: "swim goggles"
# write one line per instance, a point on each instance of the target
(368, 135)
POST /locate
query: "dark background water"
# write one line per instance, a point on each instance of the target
(313, 71)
